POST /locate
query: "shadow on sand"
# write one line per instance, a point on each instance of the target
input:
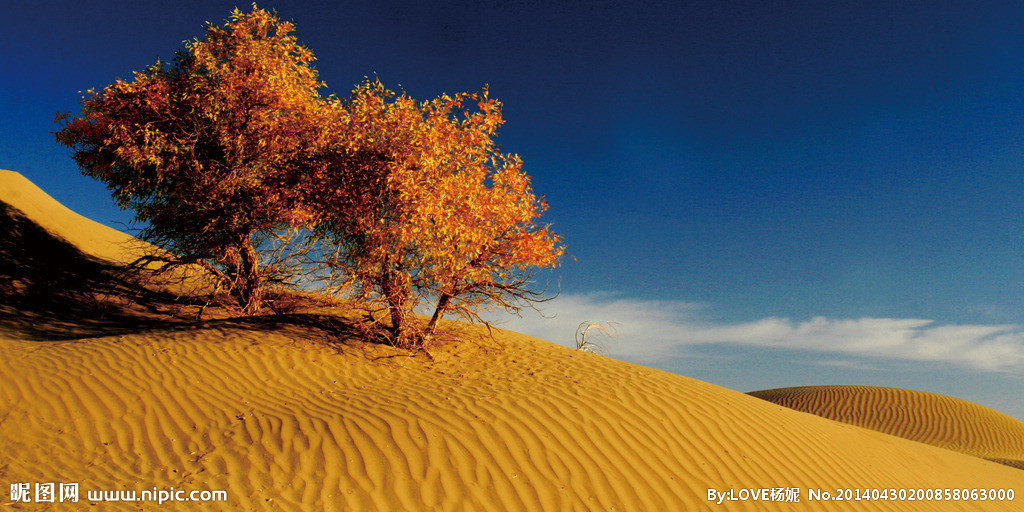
(52, 291)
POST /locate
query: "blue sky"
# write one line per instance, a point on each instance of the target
(763, 194)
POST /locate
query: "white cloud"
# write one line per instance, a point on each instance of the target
(647, 330)
(651, 330)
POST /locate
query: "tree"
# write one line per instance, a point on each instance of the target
(206, 150)
(423, 207)
(230, 148)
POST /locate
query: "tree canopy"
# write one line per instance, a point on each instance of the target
(436, 212)
(406, 203)
(204, 149)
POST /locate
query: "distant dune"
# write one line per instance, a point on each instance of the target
(299, 412)
(938, 420)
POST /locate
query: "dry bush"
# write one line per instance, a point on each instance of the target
(589, 335)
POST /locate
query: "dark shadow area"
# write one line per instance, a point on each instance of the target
(1013, 463)
(50, 290)
(333, 330)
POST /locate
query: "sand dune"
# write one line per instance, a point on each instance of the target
(285, 418)
(938, 420)
(88, 236)
(300, 413)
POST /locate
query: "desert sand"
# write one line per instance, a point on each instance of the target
(92, 238)
(938, 420)
(300, 412)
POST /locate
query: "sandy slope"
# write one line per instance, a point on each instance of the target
(938, 420)
(87, 235)
(62, 275)
(284, 421)
(298, 413)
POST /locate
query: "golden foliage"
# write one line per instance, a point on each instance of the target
(231, 144)
(439, 212)
(204, 149)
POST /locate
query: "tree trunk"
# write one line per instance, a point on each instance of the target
(393, 285)
(442, 306)
(399, 327)
(397, 297)
(248, 283)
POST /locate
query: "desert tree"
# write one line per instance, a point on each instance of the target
(206, 149)
(426, 212)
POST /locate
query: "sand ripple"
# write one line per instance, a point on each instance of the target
(937, 420)
(285, 421)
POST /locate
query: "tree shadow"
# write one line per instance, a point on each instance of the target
(50, 290)
(320, 328)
